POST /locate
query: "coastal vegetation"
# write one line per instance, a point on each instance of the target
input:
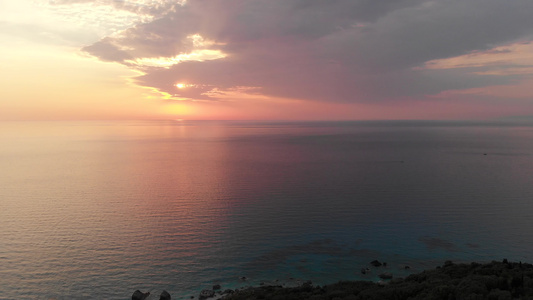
(494, 280)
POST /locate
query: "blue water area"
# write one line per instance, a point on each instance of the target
(100, 209)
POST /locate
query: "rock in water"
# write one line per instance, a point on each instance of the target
(228, 291)
(138, 295)
(204, 294)
(385, 275)
(164, 296)
(375, 263)
(216, 287)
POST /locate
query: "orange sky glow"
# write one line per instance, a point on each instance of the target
(86, 60)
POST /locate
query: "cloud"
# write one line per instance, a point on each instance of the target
(140, 7)
(505, 60)
(75, 23)
(106, 50)
(325, 50)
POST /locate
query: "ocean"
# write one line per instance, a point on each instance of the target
(97, 210)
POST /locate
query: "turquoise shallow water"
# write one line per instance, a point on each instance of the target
(100, 209)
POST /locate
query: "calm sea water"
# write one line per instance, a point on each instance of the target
(100, 209)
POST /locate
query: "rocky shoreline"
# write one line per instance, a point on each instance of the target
(494, 280)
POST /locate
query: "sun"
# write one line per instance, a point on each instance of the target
(180, 85)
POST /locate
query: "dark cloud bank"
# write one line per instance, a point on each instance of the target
(326, 50)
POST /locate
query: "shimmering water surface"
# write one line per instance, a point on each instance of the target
(100, 209)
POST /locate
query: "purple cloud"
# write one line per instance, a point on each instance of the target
(334, 50)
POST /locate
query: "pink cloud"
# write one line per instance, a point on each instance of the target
(344, 51)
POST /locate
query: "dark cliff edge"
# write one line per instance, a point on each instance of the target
(495, 280)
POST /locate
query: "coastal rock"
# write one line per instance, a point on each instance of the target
(375, 263)
(216, 287)
(204, 294)
(448, 263)
(385, 275)
(382, 283)
(495, 280)
(228, 291)
(138, 295)
(164, 296)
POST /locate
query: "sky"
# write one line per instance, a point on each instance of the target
(266, 59)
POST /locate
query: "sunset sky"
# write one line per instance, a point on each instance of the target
(265, 59)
